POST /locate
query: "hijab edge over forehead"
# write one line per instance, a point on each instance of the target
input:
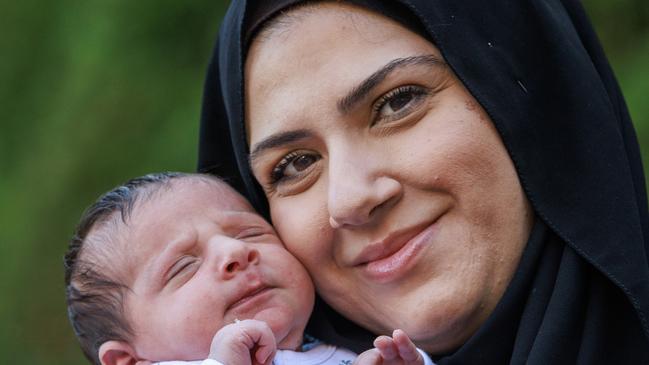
(266, 11)
(579, 163)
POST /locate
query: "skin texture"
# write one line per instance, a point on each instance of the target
(194, 250)
(401, 201)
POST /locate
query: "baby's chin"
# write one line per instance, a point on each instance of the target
(288, 327)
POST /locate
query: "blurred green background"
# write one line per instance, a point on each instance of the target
(94, 92)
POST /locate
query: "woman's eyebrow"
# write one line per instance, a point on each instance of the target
(277, 140)
(361, 90)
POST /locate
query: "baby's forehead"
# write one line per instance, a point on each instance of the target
(215, 193)
(189, 194)
(187, 204)
(163, 214)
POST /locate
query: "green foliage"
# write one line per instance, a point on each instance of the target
(94, 92)
(623, 27)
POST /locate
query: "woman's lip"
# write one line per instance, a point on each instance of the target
(397, 258)
(388, 246)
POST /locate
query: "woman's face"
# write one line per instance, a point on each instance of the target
(384, 175)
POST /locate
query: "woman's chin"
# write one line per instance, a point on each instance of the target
(441, 338)
(447, 324)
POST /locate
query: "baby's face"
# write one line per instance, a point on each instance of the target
(198, 257)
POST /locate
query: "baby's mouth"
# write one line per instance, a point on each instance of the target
(251, 294)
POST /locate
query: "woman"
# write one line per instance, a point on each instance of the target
(465, 171)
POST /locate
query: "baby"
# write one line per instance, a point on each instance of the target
(176, 266)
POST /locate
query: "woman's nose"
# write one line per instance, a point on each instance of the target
(236, 256)
(358, 192)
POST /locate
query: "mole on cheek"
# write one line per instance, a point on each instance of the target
(470, 105)
(473, 107)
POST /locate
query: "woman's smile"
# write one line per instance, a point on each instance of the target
(392, 258)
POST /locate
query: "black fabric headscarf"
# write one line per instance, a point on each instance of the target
(581, 291)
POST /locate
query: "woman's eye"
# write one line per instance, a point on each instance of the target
(293, 165)
(398, 103)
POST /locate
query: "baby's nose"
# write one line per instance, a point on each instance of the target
(237, 257)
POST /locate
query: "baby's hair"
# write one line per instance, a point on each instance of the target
(94, 298)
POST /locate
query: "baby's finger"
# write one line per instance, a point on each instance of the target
(369, 357)
(266, 345)
(386, 347)
(406, 348)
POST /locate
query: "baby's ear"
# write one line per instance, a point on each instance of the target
(118, 353)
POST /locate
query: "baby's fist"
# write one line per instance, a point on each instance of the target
(247, 342)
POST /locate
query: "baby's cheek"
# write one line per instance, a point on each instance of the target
(194, 320)
(306, 235)
(197, 336)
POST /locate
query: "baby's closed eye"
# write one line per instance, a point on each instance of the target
(181, 270)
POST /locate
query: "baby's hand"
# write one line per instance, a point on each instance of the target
(395, 350)
(246, 342)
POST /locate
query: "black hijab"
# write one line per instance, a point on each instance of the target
(581, 291)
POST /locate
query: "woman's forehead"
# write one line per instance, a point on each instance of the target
(315, 22)
(322, 59)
